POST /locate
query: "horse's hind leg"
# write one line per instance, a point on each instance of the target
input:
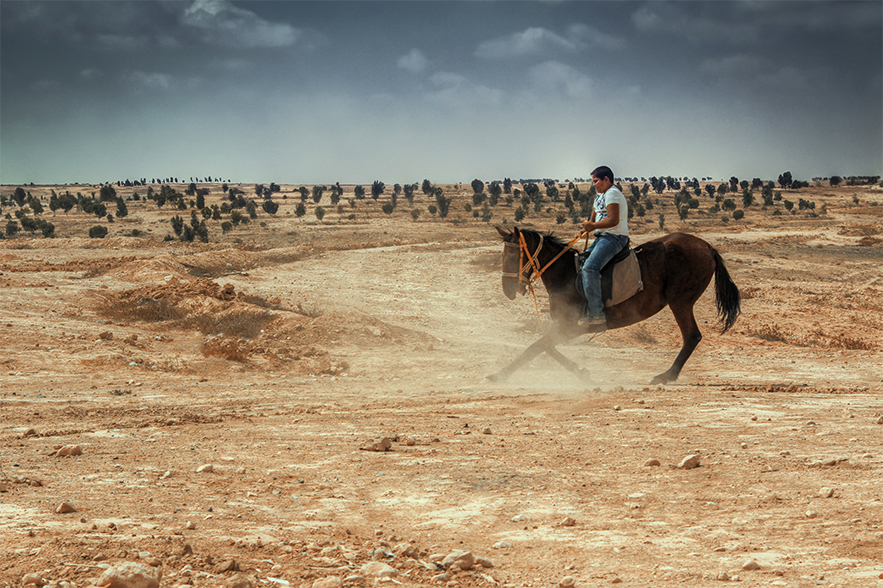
(691, 336)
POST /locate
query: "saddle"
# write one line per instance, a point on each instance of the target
(620, 278)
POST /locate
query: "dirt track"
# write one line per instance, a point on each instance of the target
(336, 335)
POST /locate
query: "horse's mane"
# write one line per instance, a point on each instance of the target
(548, 238)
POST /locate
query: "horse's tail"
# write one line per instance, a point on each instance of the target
(726, 293)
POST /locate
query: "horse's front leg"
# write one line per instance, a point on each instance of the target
(569, 365)
(546, 344)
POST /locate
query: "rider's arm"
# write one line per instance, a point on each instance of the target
(611, 221)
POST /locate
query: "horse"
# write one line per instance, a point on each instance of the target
(675, 271)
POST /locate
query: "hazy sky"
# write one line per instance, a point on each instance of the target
(350, 92)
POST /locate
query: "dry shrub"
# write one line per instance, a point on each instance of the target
(771, 333)
(642, 335)
(817, 338)
(869, 241)
(308, 310)
(232, 349)
(144, 308)
(246, 323)
(749, 292)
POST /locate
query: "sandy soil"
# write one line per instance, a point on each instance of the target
(278, 352)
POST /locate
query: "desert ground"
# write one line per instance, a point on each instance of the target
(216, 412)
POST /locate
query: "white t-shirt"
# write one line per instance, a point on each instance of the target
(613, 196)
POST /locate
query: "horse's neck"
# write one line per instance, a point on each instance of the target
(562, 268)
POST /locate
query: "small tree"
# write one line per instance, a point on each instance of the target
(414, 214)
(300, 210)
(738, 214)
(320, 212)
(377, 189)
(177, 225)
(270, 207)
(477, 186)
(359, 191)
(98, 232)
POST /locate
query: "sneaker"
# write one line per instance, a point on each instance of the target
(591, 321)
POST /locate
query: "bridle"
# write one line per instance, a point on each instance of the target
(529, 272)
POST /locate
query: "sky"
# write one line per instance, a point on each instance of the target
(306, 92)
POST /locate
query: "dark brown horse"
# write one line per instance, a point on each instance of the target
(675, 270)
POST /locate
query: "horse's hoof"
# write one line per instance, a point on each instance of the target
(662, 379)
(497, 377)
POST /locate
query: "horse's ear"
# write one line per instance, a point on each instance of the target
(503, 232)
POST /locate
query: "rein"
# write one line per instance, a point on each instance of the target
(533, 264)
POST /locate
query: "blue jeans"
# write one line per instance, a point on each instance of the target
(603, 249)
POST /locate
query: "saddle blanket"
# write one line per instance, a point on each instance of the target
(620, 278)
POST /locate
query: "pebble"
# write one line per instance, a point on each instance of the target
(190, 526)
(486, 431)
(383, 445)
(35, 579)
(205, 469)
(751, 565)
(329, 582)
(689, 462)
(811, 514)
(378, 569)
(239, 581)
(826, 492)
(230, 565)
(567, 582)
(463, 559)
(65, 507)
(568, 522)
(130, 574)
(879, 421)
(69, 451)
(502, 545)
(652, 462)
(722, 576)
(522, 518)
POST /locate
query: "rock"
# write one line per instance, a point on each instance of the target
(567, 582)
(689, 462)
(486, 431)
(826, 492)
(811, 514)
(65, 507)
(4, 487)
(69, 451)
(751, 565)
(568, 522)
(35, 579)
(130, 574)
(205, 469)
(190, 526)
(879, 420)
(616, 581)
(502, 545)
(378, 569)
(411, 442)
(652, 463)
(485, 563)
(722, 576)
(522, 518)
(239, 581)
(329, 582)
(441, 578)
(406, 550)
(230, 565)
(743, 445)
(463, 559)
(383, 445)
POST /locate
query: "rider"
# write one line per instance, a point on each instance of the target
(610, 221)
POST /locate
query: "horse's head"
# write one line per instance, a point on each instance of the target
(516, 269)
